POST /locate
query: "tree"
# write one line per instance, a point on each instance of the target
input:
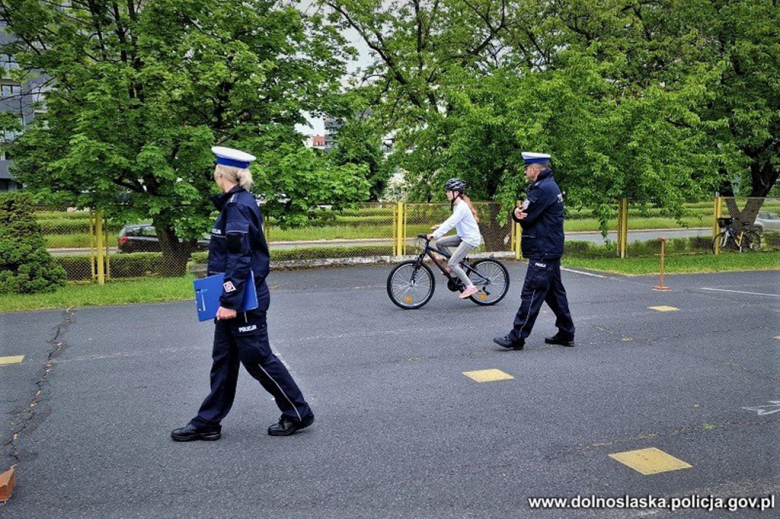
(306, 187)
(26, 267)
(651, 101)
(139, 91)
(359, 142)
(745, 36)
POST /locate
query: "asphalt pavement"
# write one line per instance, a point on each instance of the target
(689, 378)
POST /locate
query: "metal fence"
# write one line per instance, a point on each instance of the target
(91, 250)
(368, 230)
(73, 237)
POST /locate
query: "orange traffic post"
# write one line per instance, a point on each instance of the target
(660, 286)
(6, 485)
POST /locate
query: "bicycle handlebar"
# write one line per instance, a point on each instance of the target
(423, 236)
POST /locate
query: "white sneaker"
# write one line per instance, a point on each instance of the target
(470, 291)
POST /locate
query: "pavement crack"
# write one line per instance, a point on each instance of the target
(25, 418)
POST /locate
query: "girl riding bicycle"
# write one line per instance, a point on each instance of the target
(464, 219)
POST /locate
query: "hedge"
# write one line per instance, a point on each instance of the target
(139, 264)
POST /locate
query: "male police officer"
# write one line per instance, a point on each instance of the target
(541, 217)
(239, 250)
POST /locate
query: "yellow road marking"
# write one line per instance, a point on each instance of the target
(488, 375)
(664, 308)
(16, 359)
(650, 461)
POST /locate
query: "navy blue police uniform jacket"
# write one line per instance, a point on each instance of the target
(238, 247)
(543, 226)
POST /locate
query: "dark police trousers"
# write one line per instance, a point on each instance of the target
(542, 284)
(245, 339)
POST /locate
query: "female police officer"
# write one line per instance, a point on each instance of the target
(238, 248)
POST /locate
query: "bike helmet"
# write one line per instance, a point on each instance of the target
(455, 184)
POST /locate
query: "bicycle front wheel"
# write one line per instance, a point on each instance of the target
(724, 242)
(492, 281)
(410, 285)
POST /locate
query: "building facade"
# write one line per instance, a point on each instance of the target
(24, 100)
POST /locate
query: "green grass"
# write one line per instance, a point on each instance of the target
(136, 291)
(56, 241)
(698, 263)
(331, 232)
(591, 224)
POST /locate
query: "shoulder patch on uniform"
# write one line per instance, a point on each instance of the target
(228, 286)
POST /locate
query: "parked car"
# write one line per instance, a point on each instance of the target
(767, 221)
(143, 238)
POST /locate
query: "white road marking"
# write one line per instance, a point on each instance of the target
(584, 273)
(771, 408)
(741, 292)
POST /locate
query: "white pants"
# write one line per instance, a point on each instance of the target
(462, 249)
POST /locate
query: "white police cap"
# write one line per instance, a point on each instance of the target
(231, 157)
(535, 158)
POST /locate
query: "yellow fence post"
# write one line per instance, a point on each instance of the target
(623, 228)
(101, 277)
(512, 236)
(92, 251)
(108, 256)
(395, 230)
(403, 229)
(399, 229)
(517, 236)
(718, 212)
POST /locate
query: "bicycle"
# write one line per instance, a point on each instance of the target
(411, 284)
(730, 240)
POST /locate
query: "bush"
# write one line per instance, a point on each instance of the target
(307, 253)
(77, 268)
(330, 252)
(26, 267)
(585, 249)
(692, 245)
(770, 240)
(139, 264)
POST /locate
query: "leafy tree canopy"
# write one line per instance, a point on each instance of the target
(657, 101)
(139, 91)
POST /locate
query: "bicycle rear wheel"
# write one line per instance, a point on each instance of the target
(492, 282)
(410, 285)
(751, 242)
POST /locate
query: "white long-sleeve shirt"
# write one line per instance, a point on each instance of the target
(465, 224)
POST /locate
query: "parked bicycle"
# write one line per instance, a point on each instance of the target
(411, 284)
(730, 240)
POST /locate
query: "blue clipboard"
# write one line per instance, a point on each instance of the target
(208, 290)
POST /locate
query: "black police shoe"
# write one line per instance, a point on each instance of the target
(560, 339)
(286, 427)
(190, 433)
(507, 342)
